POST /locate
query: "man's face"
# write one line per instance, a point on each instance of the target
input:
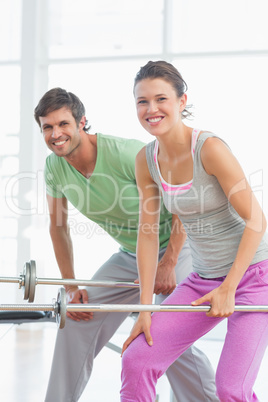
(60, 131)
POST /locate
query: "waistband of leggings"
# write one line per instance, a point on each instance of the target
(262, 264)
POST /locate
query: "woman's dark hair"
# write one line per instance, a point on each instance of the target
(57, 98)
(166, 71)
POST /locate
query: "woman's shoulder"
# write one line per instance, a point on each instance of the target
(141, 165)
(141, 155)
(210, 140)
(204, 134)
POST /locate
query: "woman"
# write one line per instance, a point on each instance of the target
(203, 185)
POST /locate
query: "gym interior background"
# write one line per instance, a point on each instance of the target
(94, 48)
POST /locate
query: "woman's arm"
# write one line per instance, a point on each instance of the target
(148, 233)
(147, 244)
(220, 162)
(165, 280)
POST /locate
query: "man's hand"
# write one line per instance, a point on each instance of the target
(76, 295)
(165, 280)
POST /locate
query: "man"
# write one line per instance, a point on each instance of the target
(96, 174)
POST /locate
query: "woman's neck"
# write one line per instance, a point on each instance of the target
(175, 142)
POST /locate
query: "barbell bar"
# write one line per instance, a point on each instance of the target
(60, 308)
(28, 281)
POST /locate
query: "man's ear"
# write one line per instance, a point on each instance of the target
(82, 122)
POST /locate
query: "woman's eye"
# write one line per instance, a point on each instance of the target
(161, 99)
(141, 102)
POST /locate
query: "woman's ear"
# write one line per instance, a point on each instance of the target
(183, 102)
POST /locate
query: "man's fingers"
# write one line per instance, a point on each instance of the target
(80, 296)
(168, 290)
(84, 296)
(165, 289)
(80, 316)
(160, 288)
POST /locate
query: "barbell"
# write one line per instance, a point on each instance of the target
(28, 281)
(60, 308)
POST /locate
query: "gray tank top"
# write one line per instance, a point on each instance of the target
(214, 229)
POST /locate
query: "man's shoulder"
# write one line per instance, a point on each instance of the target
(52, 160)
(54, 164)
(120, 150)
(119, 142)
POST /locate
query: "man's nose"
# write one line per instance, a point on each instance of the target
(56, 133)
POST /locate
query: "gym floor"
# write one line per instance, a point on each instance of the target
(26, 352)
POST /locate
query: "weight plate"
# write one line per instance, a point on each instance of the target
(32, 282)
(26, 275)
(61, 313)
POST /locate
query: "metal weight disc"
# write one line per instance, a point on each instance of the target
(32, 282)
(26, 276)
(61, 313)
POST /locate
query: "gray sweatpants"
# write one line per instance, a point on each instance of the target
(191, 376)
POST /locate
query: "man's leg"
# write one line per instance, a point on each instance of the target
(191, 377)
(79, 342)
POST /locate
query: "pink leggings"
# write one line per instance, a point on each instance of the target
(173, 333)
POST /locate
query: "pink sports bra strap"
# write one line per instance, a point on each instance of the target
(180, 188)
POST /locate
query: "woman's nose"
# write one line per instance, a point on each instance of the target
(152, 107)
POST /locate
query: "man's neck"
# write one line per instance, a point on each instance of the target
(85, 156)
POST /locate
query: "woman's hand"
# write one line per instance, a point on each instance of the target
(221, 299)
(142, 324)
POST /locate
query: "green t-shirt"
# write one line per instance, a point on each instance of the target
(110, 196)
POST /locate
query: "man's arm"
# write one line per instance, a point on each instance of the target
(63, 248)
(165, 280)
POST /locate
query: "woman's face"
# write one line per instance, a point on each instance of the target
(158, 106)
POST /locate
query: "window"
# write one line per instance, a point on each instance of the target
(219, 26)
(94, 48)
(10, 30)
(104, 28)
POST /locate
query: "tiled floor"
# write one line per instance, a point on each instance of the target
(26, 352)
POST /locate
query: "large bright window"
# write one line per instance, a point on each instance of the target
(94, 48)
(10, 44)
(104, 28)
(219, 26)
(10, 30)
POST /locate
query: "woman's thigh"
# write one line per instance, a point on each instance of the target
(174, 332)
